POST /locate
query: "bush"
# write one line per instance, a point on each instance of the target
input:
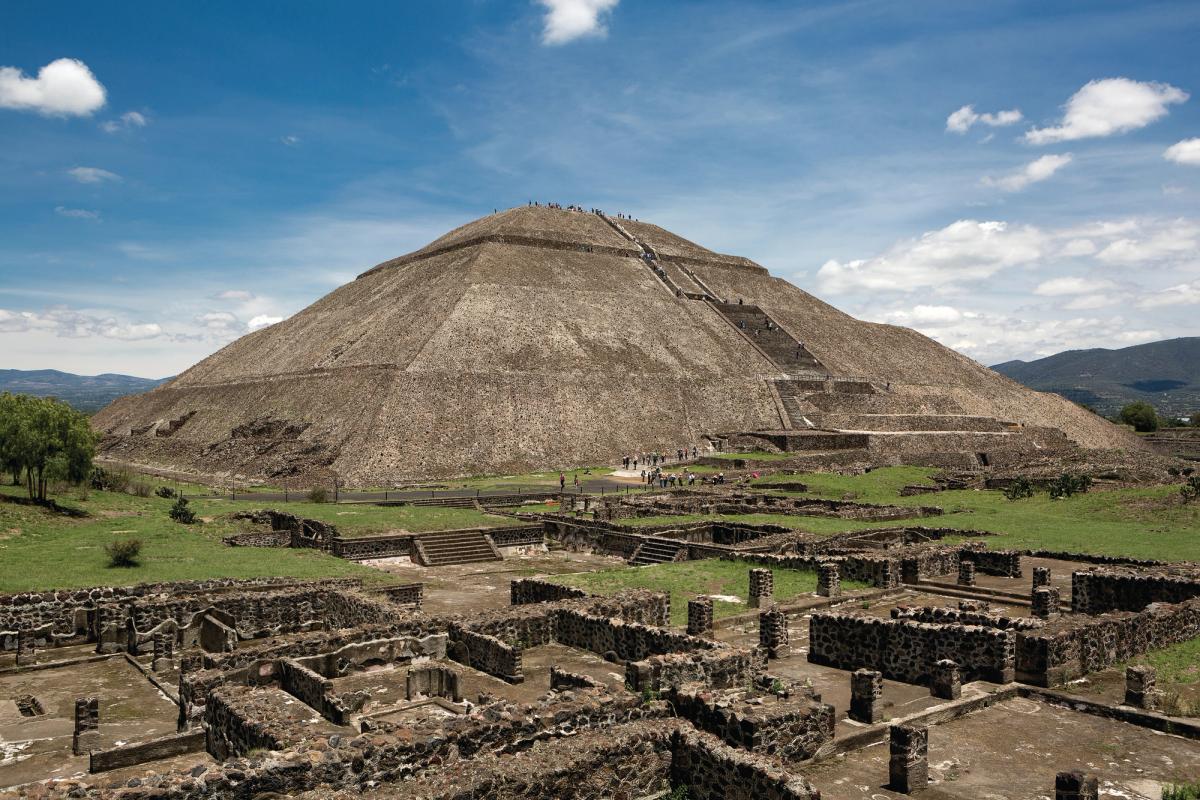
(104, 481)
(164, 491)
(1068, 484)
(1181, 791)
(123, 552)
(1190, 490)
(181, 513)
(318, 494)
(1141, 416)
(139, 489)
(1019, 489)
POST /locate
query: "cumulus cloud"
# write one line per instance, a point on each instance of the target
(235, 294)
(1185, 152)
(262, 321)
(1107, 107)
(92, 175)
(967, 250)
(64, 87)
(1176, 240)
(289, 140)
(76, 213)
(127, 121)
(1184, 294)
(962, 120)
(1035, 171)
(71, 324)
(1056, 287)
(568, 20)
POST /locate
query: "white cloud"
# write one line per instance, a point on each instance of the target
(67, 323)
(1109, 106)
(76, 213)
(1185, 152)
(567, 20)
(964, 251)
(1079, 247)
(1176, 240)
(1034, 172)
(1057, 287)
(289, 140)
(1089, 302)
(128, 120)
(262, 321)
(92, 175)
(64, 87)
(1183, 294)
(235, 294)
(962, 120)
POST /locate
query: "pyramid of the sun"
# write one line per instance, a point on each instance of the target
(546, 338)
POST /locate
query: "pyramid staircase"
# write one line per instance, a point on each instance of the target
(657, 551)
(444, 548)
(761, 330)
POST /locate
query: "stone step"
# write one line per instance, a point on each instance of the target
(442, 548)
(653, 552)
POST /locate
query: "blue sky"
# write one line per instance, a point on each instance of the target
(172, 179)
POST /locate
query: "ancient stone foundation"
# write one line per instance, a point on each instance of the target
(866, 693)
(1140, 691)
(829, 583)
(947, 680)
(1044, 602)
(700, 616)
(762, 587)
(966, 573)
(1041, 576)
(908, 761)
(773, 632)
(87, 726)
(1076, 786)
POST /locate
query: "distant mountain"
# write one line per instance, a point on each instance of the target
(87, 393)
(1165, 374)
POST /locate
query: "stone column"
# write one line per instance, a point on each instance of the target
(25, 648)
(1041, 576)
(762, 588)
(1076, 786)
(773, 632)
(908, 764)
(966, 573)
(700, 616)
(164, 652)
(1045, 602)
(87, 726)
(947, 680)
(1140, 690)
(866, 689)
(829, 581)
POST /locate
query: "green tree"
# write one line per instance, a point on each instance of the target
(45, 440)
(1141, 416)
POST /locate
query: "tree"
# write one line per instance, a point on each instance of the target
(181, 513)
(1141, 416)
(46, 440)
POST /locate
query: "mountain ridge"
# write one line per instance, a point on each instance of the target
(87, 393)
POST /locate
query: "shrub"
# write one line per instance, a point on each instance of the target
(164, 491)
(123, 552)
(1068, 484)
(1190, 490)
(181, 513)
(139, 489)
(318, 494)
(104, 481)
(1019, 489)
(1181, 791)
(1141, 416)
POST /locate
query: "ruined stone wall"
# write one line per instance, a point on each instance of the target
(1074, 645)
(720, 668)
(790, 729)
(714, 771)
(312, 689)
(361, 548)
(907, 651)
(485, 653)
(873, 569)
(630, 641)
(409, 594)
(942, 615)
(238, 719)
(533, 590)
(634, 605)
(997, 562)
(1098, 591)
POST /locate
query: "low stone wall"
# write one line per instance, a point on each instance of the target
(237, 720)
(312, 689)
(1098, 591)
(486, 654)
(907, 651)
(1072, 646)
(941, 615)
(534, 590)
(518, 535)
(790, 729)
(877, 570)
(722, 668)
(711, 770)
(364, 548)
(629, 641)
(129, 755)
(260, 539)
(1006, 563)
(409, 594)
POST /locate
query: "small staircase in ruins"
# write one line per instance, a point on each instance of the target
(656, 551)
(443, 548)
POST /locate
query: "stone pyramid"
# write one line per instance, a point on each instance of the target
(549, 338)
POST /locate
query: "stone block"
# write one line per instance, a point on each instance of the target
(829, 582)
(1140, 687)
(1041, 576)
(773, 632)
(700, 616)
(947, 680)
(1044, 602)
(866, 691)
(908, 762)
(87, 726)
(762, 587)
(1076, 786)
(966, 573)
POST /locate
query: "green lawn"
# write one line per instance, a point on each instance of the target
(687, 579)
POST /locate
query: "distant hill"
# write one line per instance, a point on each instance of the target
(87, 393)
(1165, 374)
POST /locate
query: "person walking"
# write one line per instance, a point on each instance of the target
(562, 481)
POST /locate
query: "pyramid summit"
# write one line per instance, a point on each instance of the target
(547, 338)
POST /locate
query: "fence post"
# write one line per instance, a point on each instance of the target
(335, 491)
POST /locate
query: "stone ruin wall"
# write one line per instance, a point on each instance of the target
(532, 590)
(1098, 591)
(792, 730)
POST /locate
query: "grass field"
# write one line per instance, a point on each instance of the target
(687, 579)
(40, 549)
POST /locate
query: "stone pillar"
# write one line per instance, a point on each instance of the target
(762, 588)
(1045, 602)
(966, 573)
(164, 652)
(908, 764)
(866, 689)
(1140, 690)
(1041, 576)
(1076, 786)
(773, 632)
(947, 680)
(87, 726)
(700, 616)
(25, 648)
(829, 581)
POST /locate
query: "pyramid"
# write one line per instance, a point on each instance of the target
(547, 338)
